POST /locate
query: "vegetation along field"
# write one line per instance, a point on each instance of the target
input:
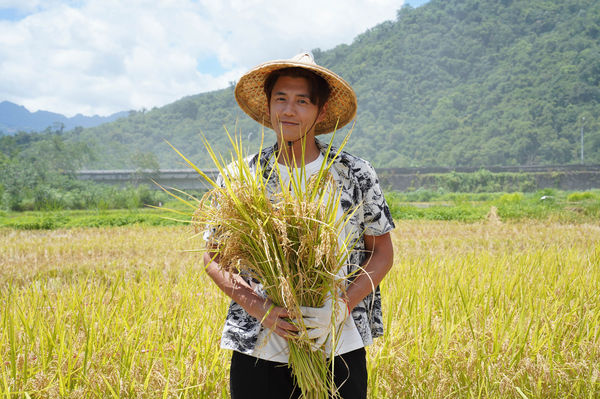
(480, 309)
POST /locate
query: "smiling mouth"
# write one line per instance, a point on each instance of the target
(289, 123)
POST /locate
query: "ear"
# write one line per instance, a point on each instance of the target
(322, 113)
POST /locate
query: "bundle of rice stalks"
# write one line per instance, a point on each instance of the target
(285, 239)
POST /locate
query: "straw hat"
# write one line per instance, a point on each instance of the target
(250, 95)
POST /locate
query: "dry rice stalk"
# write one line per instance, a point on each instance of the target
(287, 240)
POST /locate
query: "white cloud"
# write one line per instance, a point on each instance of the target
(103, 56)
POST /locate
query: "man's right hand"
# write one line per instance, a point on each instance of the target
(273, 317)
(276, 319)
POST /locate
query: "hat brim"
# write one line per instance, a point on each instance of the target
(341, 105)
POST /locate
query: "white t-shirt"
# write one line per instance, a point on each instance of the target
(271, 346)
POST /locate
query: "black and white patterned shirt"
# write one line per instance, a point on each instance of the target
(360, 188)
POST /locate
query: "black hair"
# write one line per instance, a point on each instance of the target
(318, 87)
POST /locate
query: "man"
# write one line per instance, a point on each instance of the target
(299, 100)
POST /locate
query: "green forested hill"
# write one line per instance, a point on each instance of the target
(451, 83)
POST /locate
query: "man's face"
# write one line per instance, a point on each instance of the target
(291, 111)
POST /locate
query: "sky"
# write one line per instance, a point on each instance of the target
(104, 56)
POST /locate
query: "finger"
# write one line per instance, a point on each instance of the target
(285, 325)
(280, 312)
(279, 328)
(283, 333)
(271, 315)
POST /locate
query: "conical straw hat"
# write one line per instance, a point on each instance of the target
(250, 95)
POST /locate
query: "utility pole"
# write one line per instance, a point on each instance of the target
(582, 122)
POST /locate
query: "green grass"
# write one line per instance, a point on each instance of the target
(568, 207)
(553, 205)
(49, 220)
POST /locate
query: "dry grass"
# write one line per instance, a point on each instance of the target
(108, 313)
(472, 310)
(488, 310)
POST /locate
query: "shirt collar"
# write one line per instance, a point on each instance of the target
(267, 157)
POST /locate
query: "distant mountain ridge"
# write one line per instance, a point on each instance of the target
(14, 118)
(453, 83)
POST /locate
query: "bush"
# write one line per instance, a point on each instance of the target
(582, 196)
(512, 198)
(71, 195)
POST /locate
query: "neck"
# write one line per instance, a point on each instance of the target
(291, 154)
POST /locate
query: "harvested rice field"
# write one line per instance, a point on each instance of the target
(478, 310)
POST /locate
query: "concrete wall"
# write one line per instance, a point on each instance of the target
(184, 179)
(564, 177)
(567, 177)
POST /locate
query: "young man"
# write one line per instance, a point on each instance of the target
(299, 100)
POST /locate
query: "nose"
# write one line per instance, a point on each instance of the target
(289, 109)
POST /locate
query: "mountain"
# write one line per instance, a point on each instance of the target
(450, 83)
(15, 118)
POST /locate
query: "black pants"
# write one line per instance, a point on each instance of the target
(256, 378)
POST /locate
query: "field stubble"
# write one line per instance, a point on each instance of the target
(471, 310)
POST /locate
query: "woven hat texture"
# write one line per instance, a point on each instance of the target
(250, 95)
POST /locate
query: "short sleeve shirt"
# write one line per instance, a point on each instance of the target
(362, 198)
